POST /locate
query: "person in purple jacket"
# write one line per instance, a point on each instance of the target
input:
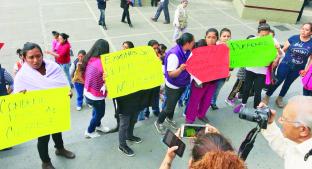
(177, 78)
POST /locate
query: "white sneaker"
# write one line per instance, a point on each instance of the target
(78, 108)
(102, 129)
(91, 135)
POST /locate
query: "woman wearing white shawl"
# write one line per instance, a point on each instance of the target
(40, 74)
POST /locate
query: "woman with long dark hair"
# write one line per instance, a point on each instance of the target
(94, 88)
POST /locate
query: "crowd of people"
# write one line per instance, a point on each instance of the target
(180, 16)
(210, 150)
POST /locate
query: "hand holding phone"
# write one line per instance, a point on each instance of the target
(170, 139)
(191, 130)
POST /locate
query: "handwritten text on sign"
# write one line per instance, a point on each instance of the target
(36, 113)
(209, 63)
(257, 52)
(131, 70)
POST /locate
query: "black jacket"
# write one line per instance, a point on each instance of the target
(124, 4)
(134, 102)
(101, 4)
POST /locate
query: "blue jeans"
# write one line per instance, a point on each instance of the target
(102, 17)
(98, 112)
(220, 83)
(139, 2)
(163, 6)
(185, 96)
(287, 73)
(307, 92)
(65, 68)
(79, 90)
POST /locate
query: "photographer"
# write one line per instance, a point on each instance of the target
(210, 151)
(294, 142)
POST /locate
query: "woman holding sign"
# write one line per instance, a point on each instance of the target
(255, 76)
(39, 74)
(94, 88)
(202, 93)
(177, 78)
(298, 50)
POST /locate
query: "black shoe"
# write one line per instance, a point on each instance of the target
(130, 25)
(166, 22)
(135, 139)
(104, 27)
(154, 19)
(100, 23)
(214, 107)
(6, 149)
(65, 153)
(47, 166)
(126, 150)
(205, 119)
(123, 21)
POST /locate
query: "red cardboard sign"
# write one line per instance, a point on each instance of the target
(1, 45)
(209, 63)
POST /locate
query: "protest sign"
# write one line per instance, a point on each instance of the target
(209, 63)
(36, 113)
(257, 52)
(131, 70)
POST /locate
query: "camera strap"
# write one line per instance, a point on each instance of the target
(248, 143)
(308, 155)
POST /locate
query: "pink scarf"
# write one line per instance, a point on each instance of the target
(30, 79)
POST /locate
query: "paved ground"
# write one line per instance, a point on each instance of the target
(33, 20)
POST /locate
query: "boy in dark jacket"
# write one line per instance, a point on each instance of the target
(124, 4)
(102, 7)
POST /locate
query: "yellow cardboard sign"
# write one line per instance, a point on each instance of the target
(131, 70)
(24, 117)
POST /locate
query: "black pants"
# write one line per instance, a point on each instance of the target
(126, 14)
(256, 80)
(236, 89)
(173, 96)
(43, 145)
(126, 126)
(154, 2)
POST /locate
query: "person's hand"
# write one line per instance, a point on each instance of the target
(274, 64)
(273, 113)
(303, 72)
(70, 94)
(211, 129)
(104, 76)
(182, 66)
(9, 90)
(171, 153)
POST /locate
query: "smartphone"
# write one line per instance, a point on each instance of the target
(191, 130)
(170, 139)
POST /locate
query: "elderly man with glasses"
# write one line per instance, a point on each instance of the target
(294, 142)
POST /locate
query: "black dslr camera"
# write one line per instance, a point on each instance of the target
(261, 116)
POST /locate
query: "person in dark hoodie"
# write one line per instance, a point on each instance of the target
(102, 6)
(124, 4)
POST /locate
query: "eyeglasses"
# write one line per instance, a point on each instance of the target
(283, 120)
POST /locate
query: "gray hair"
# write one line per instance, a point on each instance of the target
(303, 108)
